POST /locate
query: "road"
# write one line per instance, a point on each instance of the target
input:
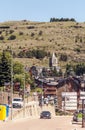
(56, 123)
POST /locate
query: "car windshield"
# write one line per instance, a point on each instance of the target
(79, 111)
(45, 112)
(16, 99)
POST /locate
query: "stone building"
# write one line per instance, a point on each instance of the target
(70, 84)
(53, 62)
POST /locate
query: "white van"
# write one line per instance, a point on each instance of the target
(17, 102)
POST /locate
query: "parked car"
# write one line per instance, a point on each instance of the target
(45, 100)
(45, 114)
(77, 116)
(17, 102)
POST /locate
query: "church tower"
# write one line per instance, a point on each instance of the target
(53, 61)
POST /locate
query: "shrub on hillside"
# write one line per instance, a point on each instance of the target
(63, 57)
(40, 32)
(30, 27)
(11, 31)
(77, 49)
(21, 54)
(1, 37)
(62, 19)
(32, 34)
(38, 54)
(12, 37)
(21, 33)
(0, 32)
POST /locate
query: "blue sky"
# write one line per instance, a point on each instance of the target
(41, 10)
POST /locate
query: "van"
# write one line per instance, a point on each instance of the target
(17, 102)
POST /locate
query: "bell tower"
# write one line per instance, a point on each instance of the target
(53, 62)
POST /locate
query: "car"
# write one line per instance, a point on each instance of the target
(77, 115)
(45, 115)
(17, 102)
(45, 100)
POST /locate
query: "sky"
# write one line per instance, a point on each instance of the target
(41, 10)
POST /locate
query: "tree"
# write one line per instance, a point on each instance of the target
(5, 68)
(18, 78)
(22, 54)
(69, 69)
(80, 69)
(62, 19)
(18, 68)
(39, 54)
(63, 57)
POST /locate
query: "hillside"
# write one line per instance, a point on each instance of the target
(66, 38)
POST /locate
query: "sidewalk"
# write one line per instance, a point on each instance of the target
(31, 110)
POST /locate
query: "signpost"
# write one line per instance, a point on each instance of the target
(83, 113)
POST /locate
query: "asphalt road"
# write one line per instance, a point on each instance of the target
(56, 123)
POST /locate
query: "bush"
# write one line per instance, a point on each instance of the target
(40, 32)
(62, 19)
(11, 31)
(30, 27)
(0, 32)
(1, 37)
(63, 57)
(21, 33)
(77, 50)
(12, 37)
(39, 54)
(22, 54)
(32, 34)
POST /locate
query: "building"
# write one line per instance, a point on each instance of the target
(48, 85)
(53, 62)
(67, 86)
(50, 89)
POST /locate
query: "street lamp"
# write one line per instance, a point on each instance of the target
(83, 113)
(83, 103)
(65, 97)
(24, 96)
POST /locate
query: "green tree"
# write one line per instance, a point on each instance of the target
(69, 70)
(80, 69)
(39, 54)
(21, 54)
(18, 68)
(5, 68)
(63, 57)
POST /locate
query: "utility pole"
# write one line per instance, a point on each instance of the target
(83, 104)
(11, 84)
(65, 97)
(24, 96)
(83, 113)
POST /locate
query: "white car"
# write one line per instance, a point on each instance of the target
(17, 102)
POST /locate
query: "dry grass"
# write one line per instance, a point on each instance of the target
(58, 37)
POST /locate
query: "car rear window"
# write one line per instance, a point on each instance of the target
(17, 99)
(46, 112)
